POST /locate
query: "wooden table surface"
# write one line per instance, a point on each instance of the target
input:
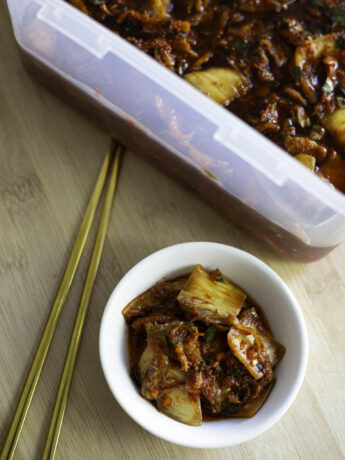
(49, 158)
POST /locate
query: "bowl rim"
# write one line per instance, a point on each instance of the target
(249, 258)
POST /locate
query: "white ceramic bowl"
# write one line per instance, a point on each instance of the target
(262, 284)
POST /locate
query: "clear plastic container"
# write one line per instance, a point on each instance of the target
(157, 114)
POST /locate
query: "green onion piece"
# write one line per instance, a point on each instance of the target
(219, 277)
(340, 42)
(297, 72)
(209, 334)
(317, 4)
(337, 16)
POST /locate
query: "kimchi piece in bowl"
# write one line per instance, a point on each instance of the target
(277, 64)
(199, 348)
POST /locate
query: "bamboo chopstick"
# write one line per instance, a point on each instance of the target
(48, 332)
(67, 374)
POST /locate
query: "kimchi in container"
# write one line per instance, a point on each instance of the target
(159, 115)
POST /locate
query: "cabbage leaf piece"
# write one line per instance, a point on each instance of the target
(161, 298)
(335, 125)
(184, 339)
(139, 324)
(250, 408)
(253, 345)
(175, 376)
(211, 301)
(181, 405)
(308, 55)
(222, 85)
(307, 160)
(160, 8)
(153, 363)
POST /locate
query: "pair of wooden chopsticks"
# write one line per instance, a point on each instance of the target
(113, 158)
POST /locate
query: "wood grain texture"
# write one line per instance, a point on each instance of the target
(49, 159)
